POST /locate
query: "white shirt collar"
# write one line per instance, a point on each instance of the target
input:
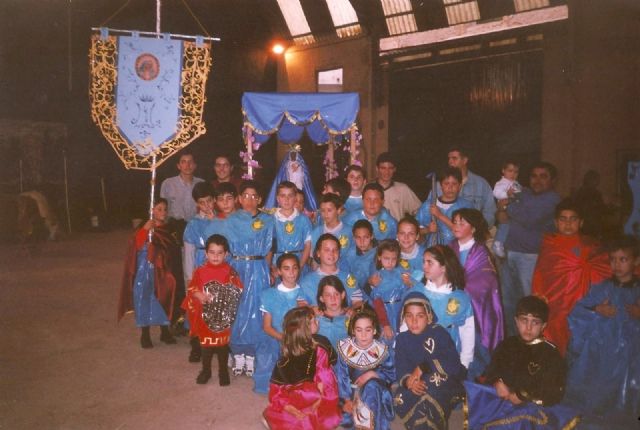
(467, 245)
(283, 218)
(411, 255)
(445, 289)
(333, 230)
(281, 287)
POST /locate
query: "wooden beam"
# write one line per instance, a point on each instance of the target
(471, 29)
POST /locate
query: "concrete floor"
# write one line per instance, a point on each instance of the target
(66, 364)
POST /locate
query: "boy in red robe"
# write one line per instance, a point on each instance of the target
(212, 300)
(568, 264)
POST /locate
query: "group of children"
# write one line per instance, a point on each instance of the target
(354, 317)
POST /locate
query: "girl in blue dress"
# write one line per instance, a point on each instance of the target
(365, 373)
(332, 304)
(275, 303)
(443, 286)
(250, 235)
(388, 287)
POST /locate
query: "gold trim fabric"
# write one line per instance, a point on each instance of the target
(103, 70)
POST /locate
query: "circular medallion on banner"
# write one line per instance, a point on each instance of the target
(147, 67)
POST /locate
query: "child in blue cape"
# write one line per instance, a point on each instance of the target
(356, 177)
(604, 349)
(365, 373)
(411, 251)
(292, 230)
(387, 287)
(332, 304)
(359, 259)
(331, 209)
(250, 235)
(444, 284)
(435, 218)
(428, 368)
(275, 303)
(327, 254)
(384, 225)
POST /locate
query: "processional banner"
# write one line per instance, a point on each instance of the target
(147, 94)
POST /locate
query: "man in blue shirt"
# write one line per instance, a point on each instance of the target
(530, 216)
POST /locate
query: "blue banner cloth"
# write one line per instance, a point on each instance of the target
(290, 114)
(148, 91)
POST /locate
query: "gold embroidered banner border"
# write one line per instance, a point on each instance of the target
(103, 69)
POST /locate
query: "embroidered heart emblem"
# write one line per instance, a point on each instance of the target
(430, 345)
(533, 368)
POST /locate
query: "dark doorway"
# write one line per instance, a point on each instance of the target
(491, 106)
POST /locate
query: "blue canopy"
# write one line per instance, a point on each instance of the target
(290, 114)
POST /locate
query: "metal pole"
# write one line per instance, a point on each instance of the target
(104, 194)
(66, 190)
(158, 6)
(153, 189)
(152, 33)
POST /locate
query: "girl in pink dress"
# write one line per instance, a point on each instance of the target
(303, 393)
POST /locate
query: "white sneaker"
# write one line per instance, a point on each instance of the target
(238, 364)
(498, 249)
(248, 365)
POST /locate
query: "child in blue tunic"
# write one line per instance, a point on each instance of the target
(331, 209)
(384, 225)
(365, 373)
(275, 303)
(356, 177)
(411, 251)
(326, 254)
(359, 259)
(604, 349)
(292, 230)
(435, 219)
(194, 233)
(332, 304)
(428, 368)
(444, 284)
(250, 235)
(387, 287)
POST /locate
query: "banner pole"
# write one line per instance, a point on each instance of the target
(104, 194)
(153, 190)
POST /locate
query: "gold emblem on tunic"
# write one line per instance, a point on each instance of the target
(289, 227)
(453, 306)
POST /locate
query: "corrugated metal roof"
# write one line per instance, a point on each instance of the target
(399, 16)
(523, 5)
(394, 7)
(344, 18)
(458, 12)
(294, 17)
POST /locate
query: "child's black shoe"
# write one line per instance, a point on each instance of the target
(203, 377)
(196, 350)
(223, 377)
(145, 339)
(166, 337)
